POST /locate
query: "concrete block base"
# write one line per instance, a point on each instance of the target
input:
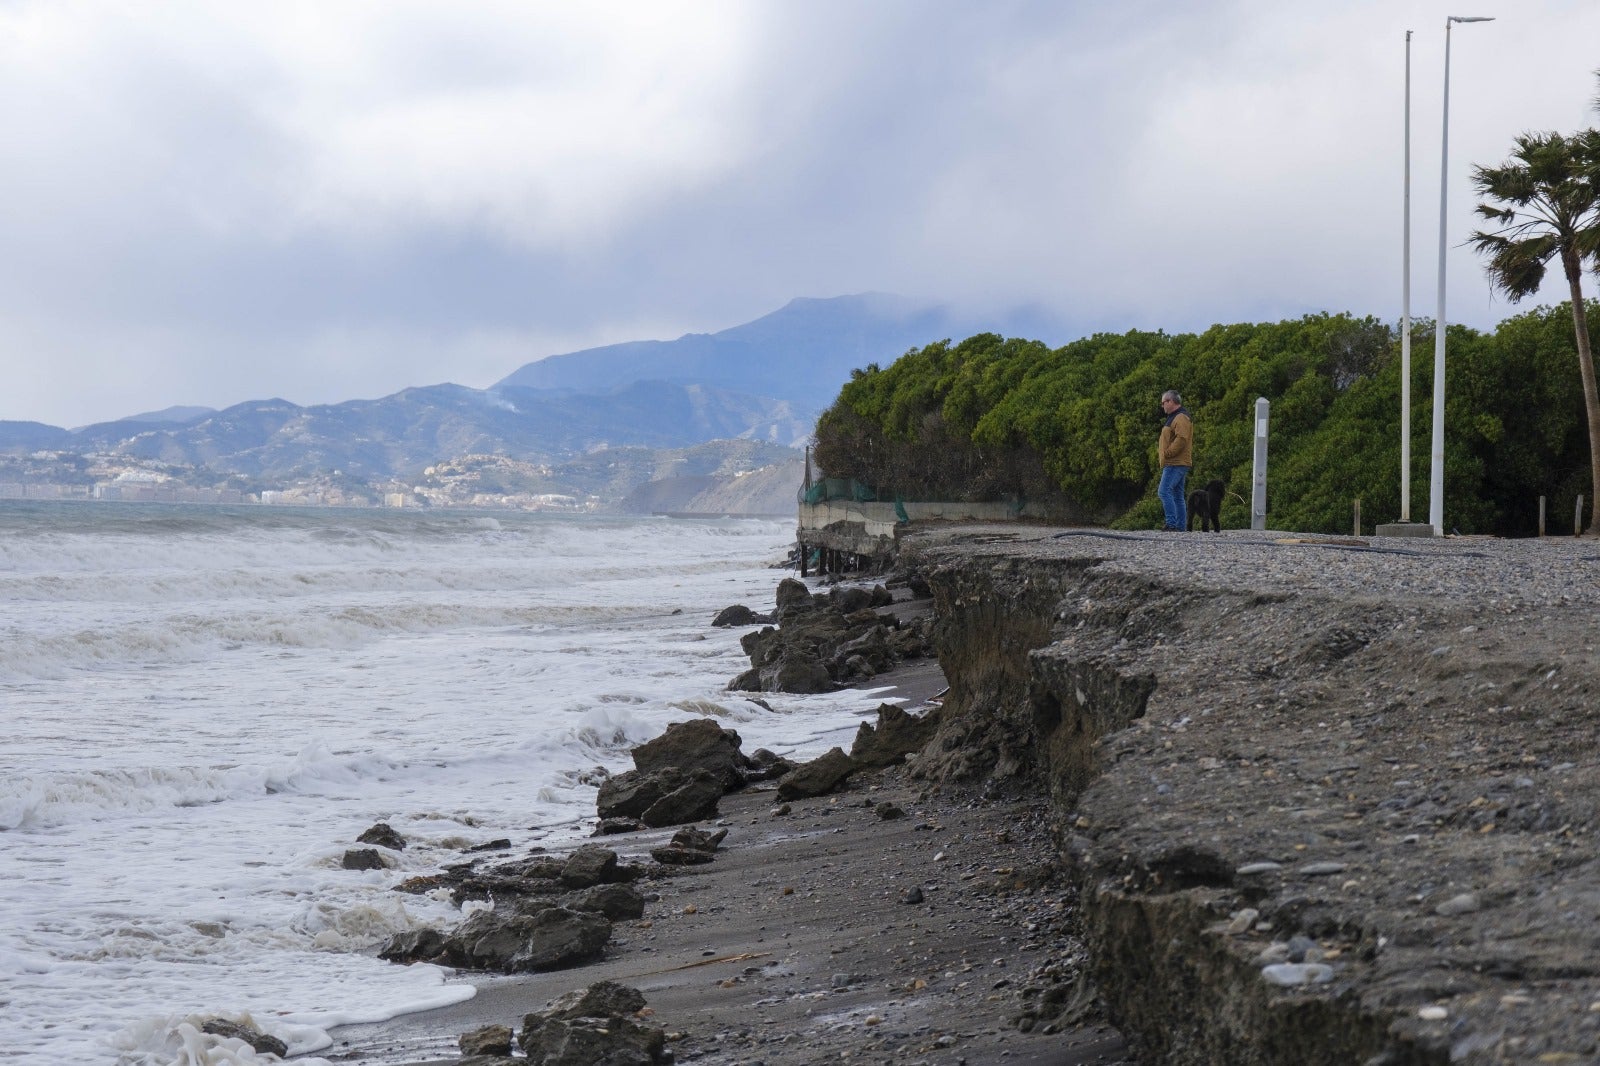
(1404, 529)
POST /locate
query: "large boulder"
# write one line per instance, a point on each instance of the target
(590, 865)
(552, 939)
(618, 902)
(873, 646)
(260, 1042)
(362, 859)
(749, 681)
(630, 794)
(384, 836)
(603, 999)
(492, 1041)
(755, 639)
(697, 744)
(817, 777)
(850, 600)
(796, 672)
(414, 945)
(663, 797)
(692, 801)
(596, 1027)
(792, 596)
(897, 734)
(738, 615)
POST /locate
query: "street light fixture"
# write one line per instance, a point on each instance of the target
(1436, 479)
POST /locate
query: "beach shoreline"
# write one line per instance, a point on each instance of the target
(797, 944)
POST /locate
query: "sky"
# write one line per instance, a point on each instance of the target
(206, 203)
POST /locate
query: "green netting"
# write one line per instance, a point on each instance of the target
(838, 488)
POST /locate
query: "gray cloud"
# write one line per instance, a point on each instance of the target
(207, 204)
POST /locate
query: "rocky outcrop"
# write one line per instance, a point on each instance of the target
(695, 744)
(549, 912)
(1317, 816)
(261, 1043)
(739, 615)
(490, 1041)
(599, 1026)
(820, 776)
(663, 797)
(824, 641)
(898, 733)
(383, 836)
(519, 938)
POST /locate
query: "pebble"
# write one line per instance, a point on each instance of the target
(1302, 946)
(911, 895)
(1294, 974)
(1432, 1014)
(1258, 868)
(1273, 953)
(1322, 869)
(1465, 903)
(1242, 921)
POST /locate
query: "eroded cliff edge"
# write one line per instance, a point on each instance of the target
(1327, 801)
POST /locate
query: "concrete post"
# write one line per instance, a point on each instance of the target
(1258, 493)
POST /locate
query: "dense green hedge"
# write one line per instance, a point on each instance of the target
(993, 418)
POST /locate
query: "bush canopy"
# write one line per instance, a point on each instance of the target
(997, 418)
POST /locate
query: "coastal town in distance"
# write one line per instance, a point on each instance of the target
(109, 479)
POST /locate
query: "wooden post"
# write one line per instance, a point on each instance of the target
(1541, 516)
(1358, 517)
(802, 558)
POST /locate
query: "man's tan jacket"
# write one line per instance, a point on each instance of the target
(1177, 440)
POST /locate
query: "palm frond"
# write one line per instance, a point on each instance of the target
(1542, 202)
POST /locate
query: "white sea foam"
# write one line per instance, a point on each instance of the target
(205, 707)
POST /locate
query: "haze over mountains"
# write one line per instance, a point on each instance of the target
(763, 381)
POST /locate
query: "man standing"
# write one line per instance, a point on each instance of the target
(1177, 456)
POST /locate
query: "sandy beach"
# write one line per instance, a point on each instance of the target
(798, 944)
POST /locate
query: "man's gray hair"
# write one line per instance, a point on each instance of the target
(1172, 394)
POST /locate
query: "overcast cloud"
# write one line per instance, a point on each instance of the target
(205, 203)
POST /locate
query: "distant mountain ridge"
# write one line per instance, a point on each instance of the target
(801, 353)
(401, 434)
(763, 381)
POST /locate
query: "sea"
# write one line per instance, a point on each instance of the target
(202, 708)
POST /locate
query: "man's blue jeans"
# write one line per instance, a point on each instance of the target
(1174, 501)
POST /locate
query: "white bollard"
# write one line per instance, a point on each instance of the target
(1258, 494)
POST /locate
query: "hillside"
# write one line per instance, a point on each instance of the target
(800, 353)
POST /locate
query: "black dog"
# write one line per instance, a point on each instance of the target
(1207, 503)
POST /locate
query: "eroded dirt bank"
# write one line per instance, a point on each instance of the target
(1326, 803)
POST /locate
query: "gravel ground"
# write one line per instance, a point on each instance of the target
(1378, 755)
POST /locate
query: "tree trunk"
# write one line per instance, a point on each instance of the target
(1591, 398)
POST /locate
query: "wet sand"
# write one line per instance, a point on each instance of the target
(797, 945)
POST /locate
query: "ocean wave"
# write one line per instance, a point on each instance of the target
(152, 640)
(47, 800)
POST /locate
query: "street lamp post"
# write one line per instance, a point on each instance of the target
(1436, 478)
(1405, 317)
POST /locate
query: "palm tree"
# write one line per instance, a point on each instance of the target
(1546, 202)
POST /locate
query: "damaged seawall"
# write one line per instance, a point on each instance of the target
(1325, 803)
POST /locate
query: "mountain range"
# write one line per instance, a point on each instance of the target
(765, 381)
